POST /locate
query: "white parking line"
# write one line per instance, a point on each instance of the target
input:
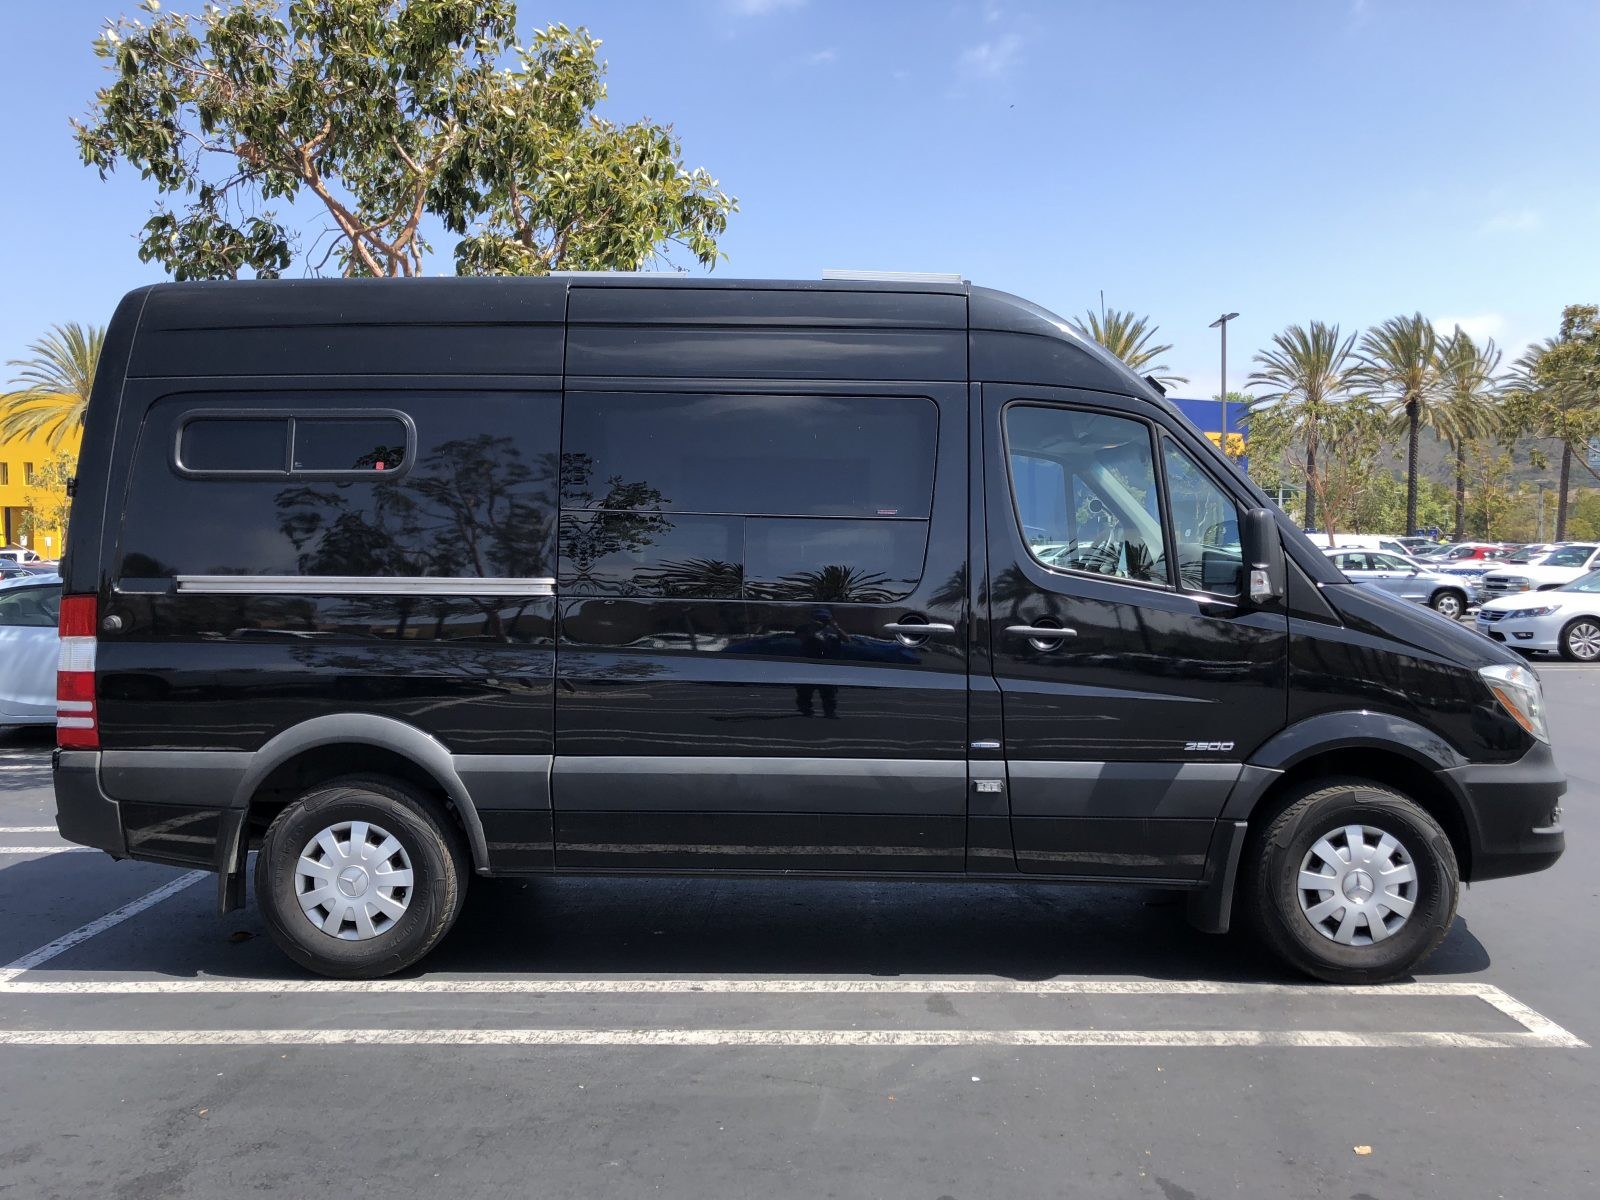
(46, 850)
(1537, 1030)
(1201, 1038)
(5, 829)
(99, 925)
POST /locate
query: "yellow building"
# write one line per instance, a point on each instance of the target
(22, 464)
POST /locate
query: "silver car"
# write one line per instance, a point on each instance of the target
(1404, 577)
(29, 647)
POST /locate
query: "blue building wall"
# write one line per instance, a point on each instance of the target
(1207, 417)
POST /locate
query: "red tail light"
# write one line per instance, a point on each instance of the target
(77, 723)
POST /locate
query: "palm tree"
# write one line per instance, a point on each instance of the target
(1471, 406)
(1128, 337)
(1546, 401)
(1306, 372)
(51, 392)
(1401, 363)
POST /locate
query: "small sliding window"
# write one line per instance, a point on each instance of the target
(329, 444)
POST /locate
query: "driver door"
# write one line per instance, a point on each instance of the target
(1124, 733)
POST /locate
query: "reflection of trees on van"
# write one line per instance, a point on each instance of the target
(838, 584)
(623, 518)
(471, 507)
(704, 578)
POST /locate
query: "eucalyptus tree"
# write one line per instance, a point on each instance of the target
(1300, 378)
(1129, 337)
(1470, 406)
(50, 393)
(383, 114)
(1401, 365)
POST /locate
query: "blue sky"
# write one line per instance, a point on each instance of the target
(1291, 160)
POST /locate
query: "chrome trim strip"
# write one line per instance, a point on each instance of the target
(363, 585)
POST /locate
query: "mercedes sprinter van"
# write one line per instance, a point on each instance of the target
(399, 583)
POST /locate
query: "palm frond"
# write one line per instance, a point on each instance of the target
(1129, 336)
(50, 393)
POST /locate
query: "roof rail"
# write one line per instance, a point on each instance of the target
(894, 276)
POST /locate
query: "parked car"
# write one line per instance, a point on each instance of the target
(28, 649)
(1413, 544)
(13, 570)
(640, 574)
(1565, 620)
(1404, 577)
(19, 554)
(1360, 541)
(1561, 566)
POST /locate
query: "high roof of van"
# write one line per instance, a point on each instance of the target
(182, 310)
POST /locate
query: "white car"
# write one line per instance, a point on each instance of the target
(1561, 566)
(28, 649)
(1565, 620)
(18, 554)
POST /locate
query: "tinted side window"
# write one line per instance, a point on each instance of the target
(30, 607)
(1105, 519)
(348, 444)
(479, 499)
(798, 456)
(745, 497)
(229, 444)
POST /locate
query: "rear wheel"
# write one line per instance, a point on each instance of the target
(1449, 604)
(360, 878)
(1580, 640)
(1352, 883)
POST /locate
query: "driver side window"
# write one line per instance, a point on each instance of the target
(1086, 493)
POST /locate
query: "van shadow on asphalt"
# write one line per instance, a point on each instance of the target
(627, 928)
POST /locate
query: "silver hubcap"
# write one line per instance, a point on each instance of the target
(1448, 606)
(1357, 885)
(1584, 641)
(353, 880)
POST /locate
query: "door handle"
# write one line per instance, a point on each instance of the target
(1042, 637)
(918, 629)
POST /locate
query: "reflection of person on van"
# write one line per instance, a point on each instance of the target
(819, 637)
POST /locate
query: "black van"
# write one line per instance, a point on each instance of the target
(403, 582)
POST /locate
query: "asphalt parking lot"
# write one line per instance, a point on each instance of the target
(718, 1038)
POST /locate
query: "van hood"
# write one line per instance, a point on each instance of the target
(1386, 616)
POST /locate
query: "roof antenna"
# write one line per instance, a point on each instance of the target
(1102, 308)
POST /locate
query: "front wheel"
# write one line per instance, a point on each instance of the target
(360, 878)
(1580, 641)
(1449, 604)
(1352, 883)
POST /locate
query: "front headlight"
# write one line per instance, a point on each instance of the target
(1517, 689)
(1532, 612)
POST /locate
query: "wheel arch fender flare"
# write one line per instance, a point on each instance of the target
(1353, 729)
(365, 729)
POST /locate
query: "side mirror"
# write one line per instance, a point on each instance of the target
(1262, 548)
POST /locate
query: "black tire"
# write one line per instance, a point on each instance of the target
(1568, 639)
(1271, 899)
(439, 864)
(1445, 598)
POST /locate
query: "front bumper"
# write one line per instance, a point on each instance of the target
(1527, 633)
(1513, 813)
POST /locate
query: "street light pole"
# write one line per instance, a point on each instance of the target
(1222, 324)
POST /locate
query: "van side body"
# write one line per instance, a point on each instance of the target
(626, 575)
